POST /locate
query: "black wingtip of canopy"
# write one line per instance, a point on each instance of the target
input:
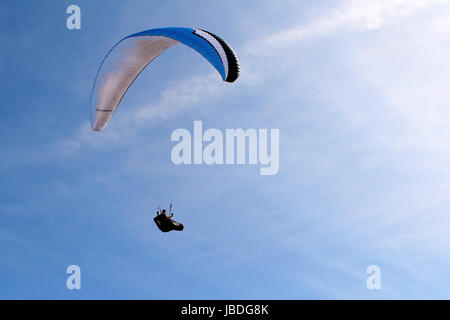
(233, 62)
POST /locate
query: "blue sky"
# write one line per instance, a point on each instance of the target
(358, 90)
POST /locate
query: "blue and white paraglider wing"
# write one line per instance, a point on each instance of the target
(126, 60)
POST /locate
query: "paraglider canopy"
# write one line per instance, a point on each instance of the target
(126, 60)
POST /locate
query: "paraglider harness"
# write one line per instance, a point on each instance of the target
(166, 224)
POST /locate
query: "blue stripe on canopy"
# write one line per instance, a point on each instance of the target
(187, 37)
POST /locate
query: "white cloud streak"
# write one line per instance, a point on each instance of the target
(355, 15)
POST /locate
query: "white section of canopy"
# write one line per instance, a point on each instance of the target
(118, 71)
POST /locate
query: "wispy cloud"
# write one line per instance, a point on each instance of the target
(354, 15)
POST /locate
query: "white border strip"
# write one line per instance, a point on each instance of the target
(216, 45)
